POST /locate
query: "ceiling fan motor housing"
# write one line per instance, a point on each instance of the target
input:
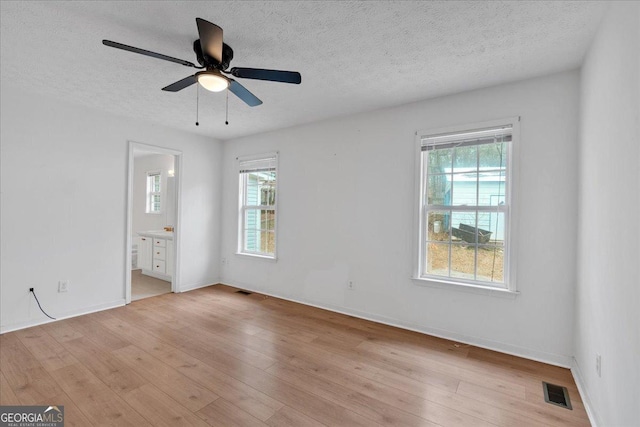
(209, 62)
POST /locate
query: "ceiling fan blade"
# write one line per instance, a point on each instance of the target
(270, 75)
(147, 53)
(243, 93)
(210, 38)
(180, 84)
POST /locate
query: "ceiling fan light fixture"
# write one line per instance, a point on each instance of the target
(212, 80)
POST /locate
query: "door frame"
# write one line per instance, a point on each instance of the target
(133, 148)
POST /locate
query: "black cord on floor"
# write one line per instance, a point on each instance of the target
(34, 295)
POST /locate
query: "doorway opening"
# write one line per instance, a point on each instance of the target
(153, 218)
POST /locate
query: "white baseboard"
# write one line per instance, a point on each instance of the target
(527, 353)
(188, 288)
(582, 389)
(35, 322)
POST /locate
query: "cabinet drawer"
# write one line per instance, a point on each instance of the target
(159, 242)
(158, 266)
(159, 253)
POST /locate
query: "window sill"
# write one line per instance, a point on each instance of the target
(263, 257)
(463, 287)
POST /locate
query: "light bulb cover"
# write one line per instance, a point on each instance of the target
(212, 80)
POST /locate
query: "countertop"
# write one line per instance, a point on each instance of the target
(157, 233)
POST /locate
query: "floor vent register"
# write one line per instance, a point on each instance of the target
(556, 395)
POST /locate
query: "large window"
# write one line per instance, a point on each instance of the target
(153, 192)
(465, 206)
(257, 216)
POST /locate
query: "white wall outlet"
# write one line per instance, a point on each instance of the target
(350, 285)
(63, 286)
(224, 261)
(599, 365)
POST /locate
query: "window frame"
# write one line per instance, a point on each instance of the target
(242, 207)
(510, 213)
(150, 194)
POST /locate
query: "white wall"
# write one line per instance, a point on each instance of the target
(608, 291)
(143, 221)
(346, 212)
(63, 206)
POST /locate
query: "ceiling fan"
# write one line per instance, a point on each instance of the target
(214, 57)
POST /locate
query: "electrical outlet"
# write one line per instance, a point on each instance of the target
(599, 365)
(63, 286)
(224, 261)
(350, 285)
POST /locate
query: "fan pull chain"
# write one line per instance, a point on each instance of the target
(197, 103)
(226, 121)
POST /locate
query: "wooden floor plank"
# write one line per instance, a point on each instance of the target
(289, 417)
(284, 348)
(45, 348)
(100, 404)
(239, 394)
(375, 409)
(315, 407)
(27, 378)
(116, 374)
(184, 390)
(400, 360)
(216, 357)
(248, 324)
(61, 330)
(97, 333)
(222, 413)
(429, 402)
(7, 396)
(160, 409)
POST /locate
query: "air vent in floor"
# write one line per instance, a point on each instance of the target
(244, 292)
(556, 395)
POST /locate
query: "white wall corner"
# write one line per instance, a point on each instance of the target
(582, 389)
(194, 286)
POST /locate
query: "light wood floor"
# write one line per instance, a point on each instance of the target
(143, 286)
(216, 357)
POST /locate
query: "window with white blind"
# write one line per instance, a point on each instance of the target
(258, 205)
(465, 203)
(153, 192)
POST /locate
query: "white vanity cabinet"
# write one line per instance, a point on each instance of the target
(155, 254)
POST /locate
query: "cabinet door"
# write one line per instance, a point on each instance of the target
(169, 258)
(145, 253)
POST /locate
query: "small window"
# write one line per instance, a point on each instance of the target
(258, 206)
(465, 206)
(153, 192)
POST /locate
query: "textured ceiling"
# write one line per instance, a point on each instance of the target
(353, 56)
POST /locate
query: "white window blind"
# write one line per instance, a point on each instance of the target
(258, 165)
(467, 138)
